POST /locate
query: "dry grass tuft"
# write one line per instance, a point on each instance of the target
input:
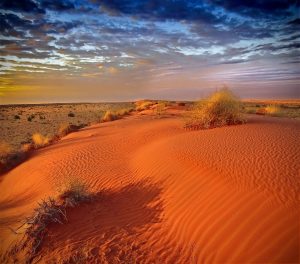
(273, 110)
(74, 192)
(40, 140)
(143, 105)
(27, 147)
(161, 108)
(10, 158)
(48, 211)
(5, 153)
(66, 129)
(109, 116)
(5, 149)
(123, 112)
(220, 109)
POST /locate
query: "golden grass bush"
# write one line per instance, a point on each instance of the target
(5, 153)
(5, 149)
(250, 110)
(273, 110)
(109, 116)
(143, 105)
(27, 147)
(39, 140)
(65, 129)
(220, 109)
(124, 111)
(10, 158)
(161, 108)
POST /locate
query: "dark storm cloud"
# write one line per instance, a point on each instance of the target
(36, 7)
(258, 8)
(58, 5)
(294, 22)
(21, 6)
(163, 10)
(12, 23)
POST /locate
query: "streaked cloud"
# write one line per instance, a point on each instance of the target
(145, 46)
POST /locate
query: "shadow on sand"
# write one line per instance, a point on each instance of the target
(109, 228)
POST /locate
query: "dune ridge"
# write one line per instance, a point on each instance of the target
(167, 195)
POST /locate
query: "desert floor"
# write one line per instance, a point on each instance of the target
(165, 194)
(20, 122)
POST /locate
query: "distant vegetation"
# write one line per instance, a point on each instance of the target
(19, 122)
(49, 132)
(220, 109)
(277, 108)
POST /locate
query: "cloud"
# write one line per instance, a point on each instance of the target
(58, 5)
(262, 8)
(161, 10)
(22, 6)
(141, 40)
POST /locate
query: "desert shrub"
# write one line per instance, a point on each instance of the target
(261, 111)
(65, 129)
(40, 140)
(250, 110)
(26, 147)
(49, 211)
(73, 192)
(17, 117)
(220, 109)
(143, 105)
(161, 108)
(5, 152)
(30, 118)
(5, 149)
(180, 103)
(165, 103)
(273, 110)
(123, 112)
(71, 114)
(10, 158)
(109, 116)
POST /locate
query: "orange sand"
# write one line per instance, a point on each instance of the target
(226, 195)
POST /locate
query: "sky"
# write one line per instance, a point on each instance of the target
(117, 50)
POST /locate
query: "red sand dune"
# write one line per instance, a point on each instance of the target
(225, 195)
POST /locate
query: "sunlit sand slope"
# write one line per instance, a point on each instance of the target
(167, 195)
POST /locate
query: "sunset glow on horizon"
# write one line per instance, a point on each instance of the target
(104, 50)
